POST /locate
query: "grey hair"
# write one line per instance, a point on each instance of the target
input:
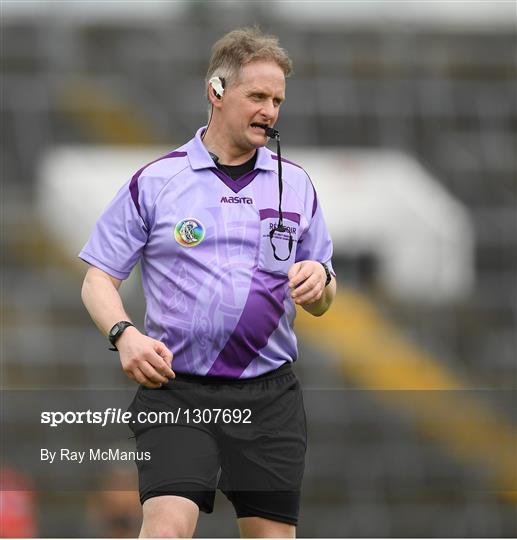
(240, 47)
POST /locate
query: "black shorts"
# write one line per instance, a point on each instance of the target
(246, 437)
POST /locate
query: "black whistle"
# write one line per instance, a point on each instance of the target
(273, 133)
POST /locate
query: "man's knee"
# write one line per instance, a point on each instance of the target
(169, 516)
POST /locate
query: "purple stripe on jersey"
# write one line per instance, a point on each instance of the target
(275, 157)
(240, 183)
(259, 319)
(272, 213)
(133, 185)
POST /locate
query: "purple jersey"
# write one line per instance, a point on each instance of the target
(215, 294)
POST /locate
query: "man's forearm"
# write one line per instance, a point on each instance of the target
(143, 359)
(102, 300)
(319, 307)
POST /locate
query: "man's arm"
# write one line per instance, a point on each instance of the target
(307, 284)
(145, 360)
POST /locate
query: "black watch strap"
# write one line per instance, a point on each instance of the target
(116, 331)
(328, 274)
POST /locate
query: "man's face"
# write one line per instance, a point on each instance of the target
(255, 98)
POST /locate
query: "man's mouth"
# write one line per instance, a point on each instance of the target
(256, 125)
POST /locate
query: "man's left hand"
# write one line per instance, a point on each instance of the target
(307, 282)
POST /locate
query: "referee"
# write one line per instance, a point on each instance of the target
(230, 236)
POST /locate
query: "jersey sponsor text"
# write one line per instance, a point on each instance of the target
(237, 200)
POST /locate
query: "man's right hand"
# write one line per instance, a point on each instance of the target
(144, 360)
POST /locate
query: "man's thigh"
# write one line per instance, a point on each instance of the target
(184, 461)
(183, 458)
(263, 462)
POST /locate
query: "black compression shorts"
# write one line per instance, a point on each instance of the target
(246, 437)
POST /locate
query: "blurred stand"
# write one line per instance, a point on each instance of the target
(17, 505)
(113, 510)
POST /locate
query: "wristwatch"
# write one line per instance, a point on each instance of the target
(327, 272)
(116, 331)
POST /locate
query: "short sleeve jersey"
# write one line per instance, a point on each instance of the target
(215, 294)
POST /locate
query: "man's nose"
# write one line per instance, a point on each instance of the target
(268, 109)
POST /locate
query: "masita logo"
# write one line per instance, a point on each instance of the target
(189, 232)
(237, 200)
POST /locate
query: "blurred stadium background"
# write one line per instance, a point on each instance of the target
(405, 114)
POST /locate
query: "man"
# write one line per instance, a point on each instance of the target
(222, 270)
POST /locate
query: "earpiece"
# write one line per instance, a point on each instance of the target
(218, 90)
(218, 86)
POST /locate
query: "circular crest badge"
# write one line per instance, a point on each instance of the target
(189, 232)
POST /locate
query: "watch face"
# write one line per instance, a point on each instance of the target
(114, 330)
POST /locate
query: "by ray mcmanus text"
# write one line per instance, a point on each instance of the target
(67, 455)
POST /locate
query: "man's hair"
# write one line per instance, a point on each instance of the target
(240, 47)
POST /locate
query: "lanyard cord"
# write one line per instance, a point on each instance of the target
(280, 225)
